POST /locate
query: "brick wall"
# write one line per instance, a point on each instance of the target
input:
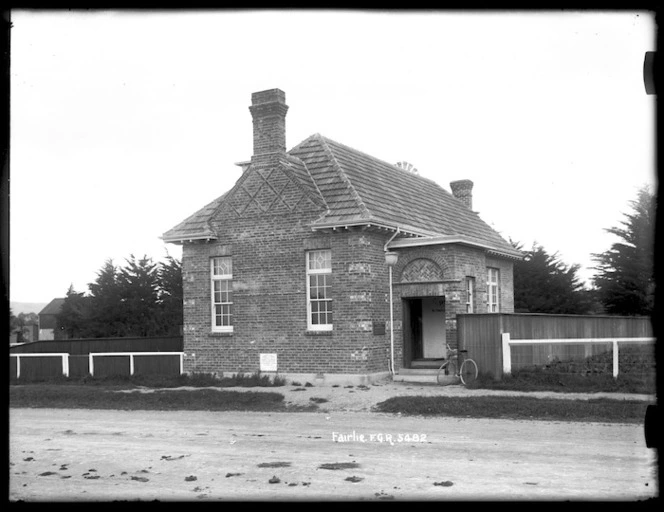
(269, 284)
(268, 242)
(455, 263)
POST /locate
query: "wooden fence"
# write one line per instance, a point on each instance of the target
(97, 357)
(537, 339)
(83, 346)
(97, 364)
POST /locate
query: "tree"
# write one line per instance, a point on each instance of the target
(73, 319)
(170, 296)
(544, 284)
(625, 277)
(139, 289)
(141, 299)
(20, 324)
(106, 319)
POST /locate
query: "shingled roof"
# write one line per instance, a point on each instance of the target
(197, 226)
(53, 308)
(359, 189)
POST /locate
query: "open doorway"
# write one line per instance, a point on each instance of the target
(424, 330)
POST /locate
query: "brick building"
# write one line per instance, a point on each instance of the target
(287, 271)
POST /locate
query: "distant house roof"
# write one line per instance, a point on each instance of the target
(53, 308)
(358, 189)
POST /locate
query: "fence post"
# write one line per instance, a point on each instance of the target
(131, 364)
(91, 365)
(615, 359)
(181, 362)
(65, 365)
(507, 355)
(18, 366)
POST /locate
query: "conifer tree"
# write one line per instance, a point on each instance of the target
(625, 277)
(170, 296)
(106, 308)
(544, 284)
(139, 290)
(74, 318)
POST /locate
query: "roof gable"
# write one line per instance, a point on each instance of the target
(279, 187)
(349, 187)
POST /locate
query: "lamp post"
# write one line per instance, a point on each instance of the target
(391, 259)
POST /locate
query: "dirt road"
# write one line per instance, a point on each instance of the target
(101, 455)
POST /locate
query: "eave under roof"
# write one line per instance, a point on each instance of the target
(454, 239)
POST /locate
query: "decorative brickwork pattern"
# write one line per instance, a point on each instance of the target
(421, 270)
(267, 190)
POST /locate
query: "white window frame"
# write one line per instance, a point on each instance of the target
(493, 289)
(326, 271)
(470, 294)
(224, 279)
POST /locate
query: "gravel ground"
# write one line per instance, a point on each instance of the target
(102, 455)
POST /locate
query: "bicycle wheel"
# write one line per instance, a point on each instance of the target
(448, 369)
(468, 372)
(440, 376)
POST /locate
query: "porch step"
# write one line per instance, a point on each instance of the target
(423, 375)
(428, 376)
(418, 371)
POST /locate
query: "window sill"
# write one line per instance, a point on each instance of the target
(318, 333)
(217, 334)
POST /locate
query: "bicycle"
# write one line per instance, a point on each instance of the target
(466, 371)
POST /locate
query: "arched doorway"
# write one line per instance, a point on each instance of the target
(423, 306)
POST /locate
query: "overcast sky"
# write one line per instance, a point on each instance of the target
(124, 123)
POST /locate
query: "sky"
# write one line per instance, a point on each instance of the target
(124, 123)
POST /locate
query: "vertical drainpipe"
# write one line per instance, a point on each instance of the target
(389, 267)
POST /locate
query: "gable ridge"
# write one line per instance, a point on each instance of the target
(353, 192)
(287, 161)
(231, 191)
(305, 141)
(220, 203)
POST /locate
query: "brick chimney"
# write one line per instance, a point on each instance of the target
(268, 110)
(463, 190)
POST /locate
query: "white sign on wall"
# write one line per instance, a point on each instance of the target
(268, 362)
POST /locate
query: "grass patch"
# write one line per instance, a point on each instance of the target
(551, 409)
(198, 380)
(280, 464)
(93, 397)
(538, 379)
(339, 465)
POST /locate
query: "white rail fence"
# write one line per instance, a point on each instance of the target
(132, 355)
(65, 359)
(63, 356)
(507, 343)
